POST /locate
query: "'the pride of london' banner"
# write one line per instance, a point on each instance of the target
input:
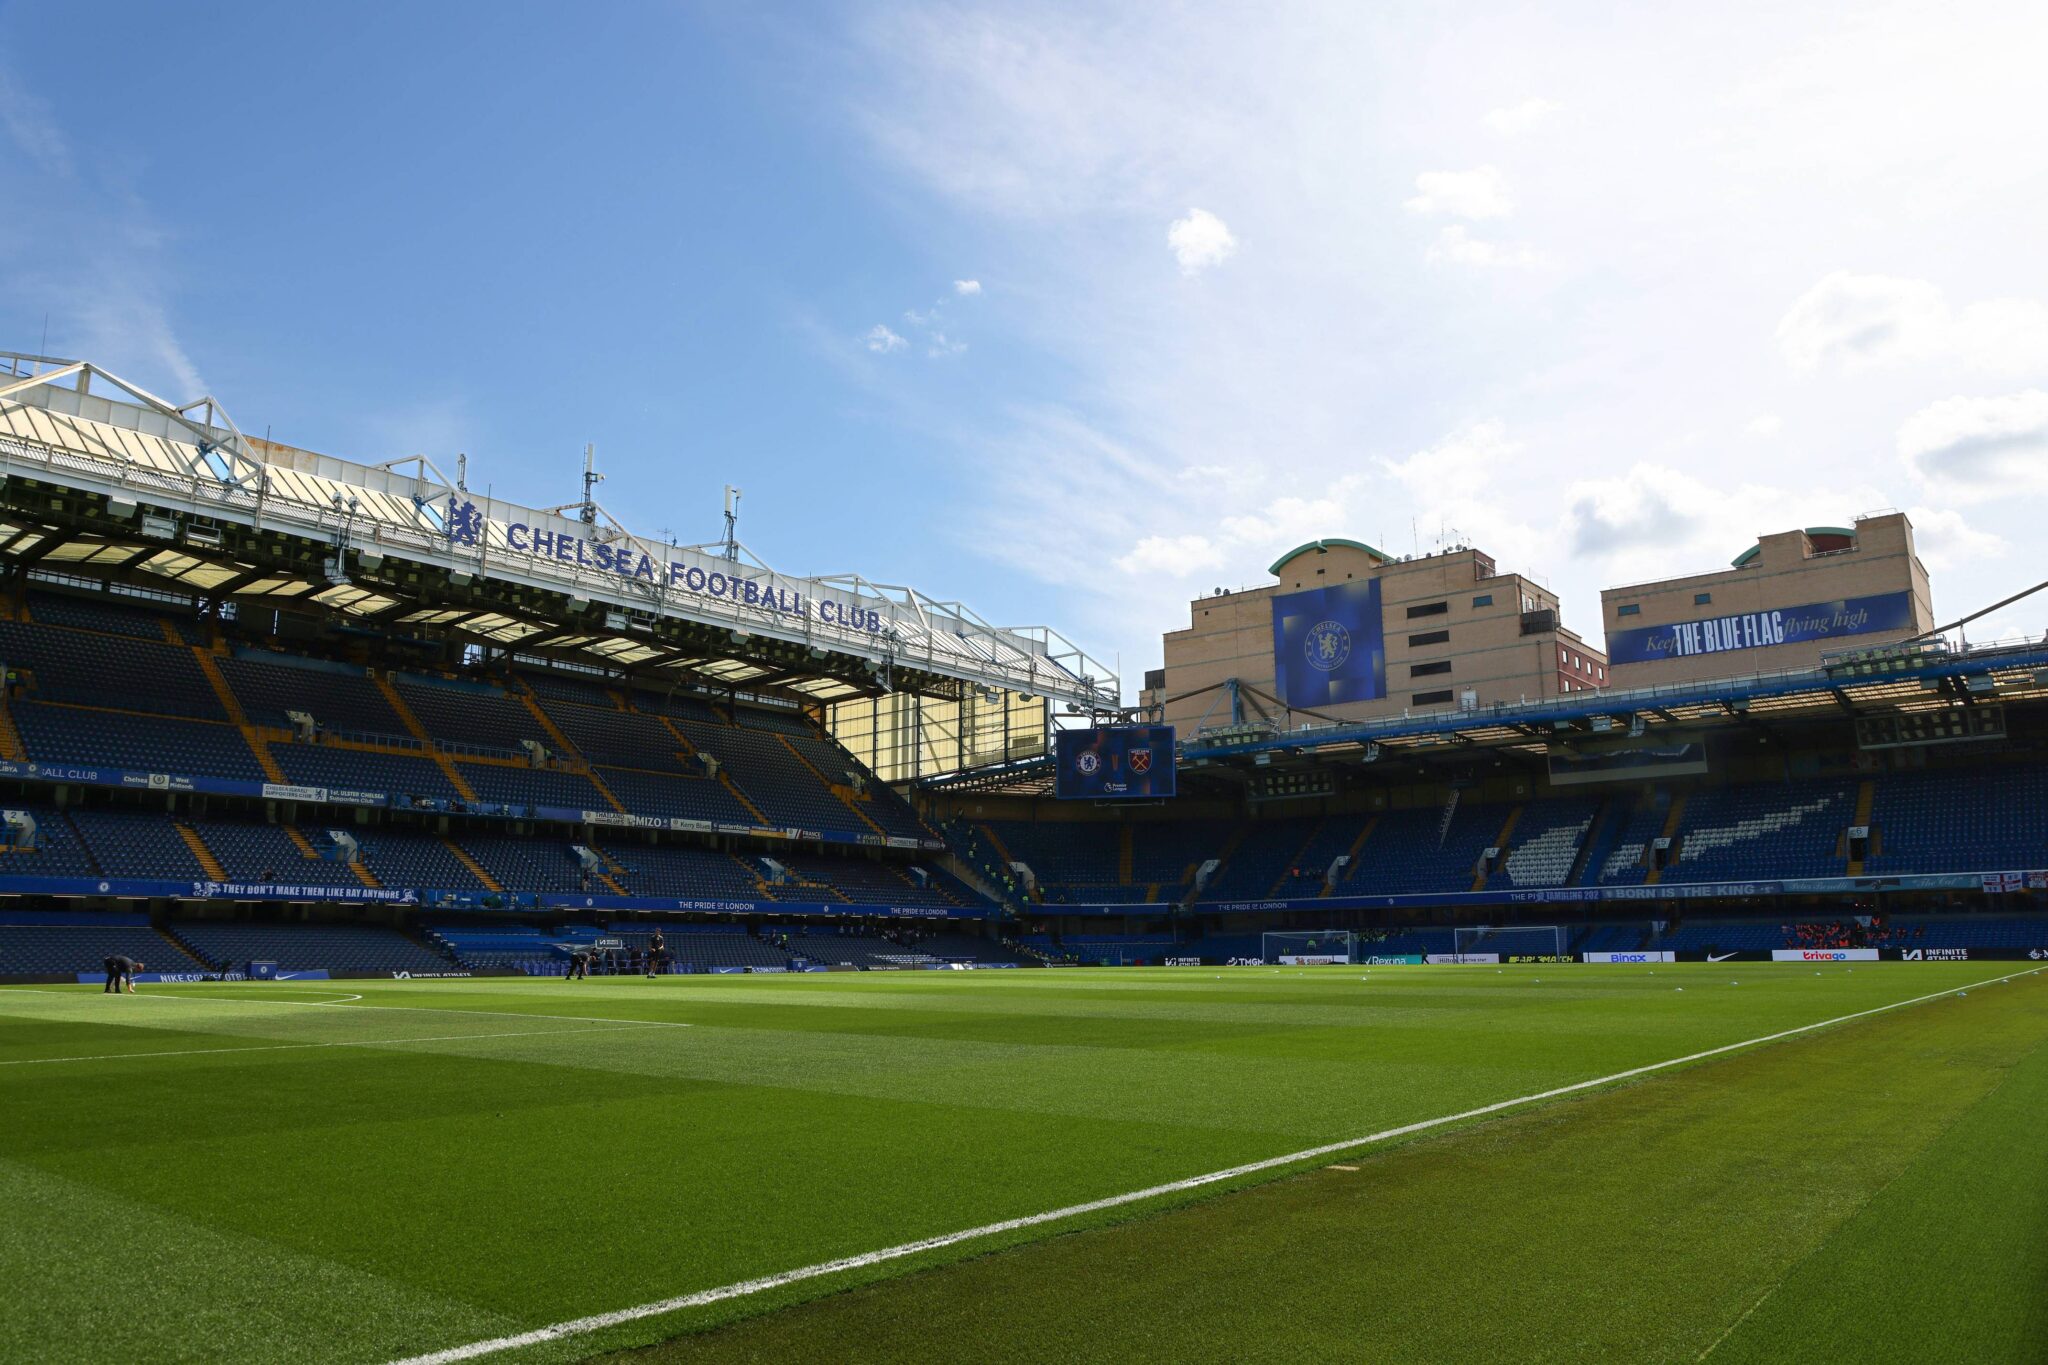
(1327, 645)
(1761, 629)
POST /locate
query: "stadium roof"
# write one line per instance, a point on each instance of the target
(176, 496)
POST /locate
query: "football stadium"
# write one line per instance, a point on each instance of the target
(437, 928)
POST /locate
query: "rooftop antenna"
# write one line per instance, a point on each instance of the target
(732, 524)
(461, 473)
(591, 479)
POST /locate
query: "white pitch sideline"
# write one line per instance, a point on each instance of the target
(346, 1000)
(599, 1321)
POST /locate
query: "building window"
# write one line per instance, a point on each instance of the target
(1629, 609)
(1429, 609)
(1484, 599)
(1600, 672)
(1432, 698)
(1429, 637)
(1563, 656)
(1428, 669)
(1701, 599)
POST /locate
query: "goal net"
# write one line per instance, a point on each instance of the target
(1497, 943)
(1317, 948)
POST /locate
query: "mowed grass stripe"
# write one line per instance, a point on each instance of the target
(1629, 1224)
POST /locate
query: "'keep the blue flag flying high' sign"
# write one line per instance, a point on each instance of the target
(1761, 629)
(1328, 648)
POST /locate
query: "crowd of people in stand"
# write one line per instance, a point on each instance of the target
(1873, 932)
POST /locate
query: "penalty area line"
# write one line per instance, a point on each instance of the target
(598, 1322)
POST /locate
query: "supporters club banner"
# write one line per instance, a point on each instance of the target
(1761, 629)
(1328, 645)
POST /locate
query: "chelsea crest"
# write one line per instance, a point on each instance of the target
(1327, 647)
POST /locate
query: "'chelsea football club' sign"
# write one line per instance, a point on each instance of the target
(465, 526)
(1327, 645)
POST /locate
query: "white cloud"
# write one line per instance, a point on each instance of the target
(1852, 322)
(938, 345)
(1456, 246)
(1763, 424)
(967, 288)
(1199, 241)
(1519, 118)
(1478, 193)
(1974, 449)
(1175, 556)
(882, 341)
(27, 121)
(1946, 539)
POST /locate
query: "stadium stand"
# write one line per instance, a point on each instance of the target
(1961, 820)
(306, 947)
(45, 943)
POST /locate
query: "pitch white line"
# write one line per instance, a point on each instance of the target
(599, 1321)
(289, 1047)
(415, 1009)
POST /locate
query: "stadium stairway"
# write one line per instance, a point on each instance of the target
(1315, 832)
(1866, 801)
(838, 789)
(1501, 842)
(476, 869)
(1357, 847)
(200, 851)
(229, 703)
(1673, 818)
(562, 745)
(419, 732)
(689, 751)
(10, 738)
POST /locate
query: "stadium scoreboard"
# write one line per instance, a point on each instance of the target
(1113, 762)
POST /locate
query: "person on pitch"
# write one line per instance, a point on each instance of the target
(121, 973)
(657, 954)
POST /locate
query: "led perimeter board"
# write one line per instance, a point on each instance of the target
(1113, 761)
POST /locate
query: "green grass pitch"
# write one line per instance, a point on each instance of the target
(243, 1173)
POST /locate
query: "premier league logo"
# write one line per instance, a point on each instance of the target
(1327, 647)
(465, 521)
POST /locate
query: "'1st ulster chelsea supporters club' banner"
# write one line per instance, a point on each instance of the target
(1327, 645)
(1761, 629)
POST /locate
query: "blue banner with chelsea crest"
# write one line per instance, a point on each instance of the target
(1328, 648)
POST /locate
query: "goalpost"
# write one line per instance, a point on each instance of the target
(1493, 943)
(1311, 948)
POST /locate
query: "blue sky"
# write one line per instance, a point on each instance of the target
(1607, 298)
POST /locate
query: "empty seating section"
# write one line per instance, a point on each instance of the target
(1765, 829)
(345, 701)
(851, 950)
(785, 722)
(106, 614)
(1271, 851)
(59, 849)
(1405, 854)
(302, 947)
(521, 946)
(956, 947)
(539, 863)
(1075, 862)
(562, 687)
(138, 844)
(670, 870)
(706, 951)
(1625, 863)
(524, 786)
(677, 797)
(775, 779)
(33, 944)
(474, 715)
(252, 852)
(402, 775)
(151, 744)
(90, 669)
(1167, 853)
(1988, 819)
(404, 857)
(1546, 842)
(864, 882)
(614, 736)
